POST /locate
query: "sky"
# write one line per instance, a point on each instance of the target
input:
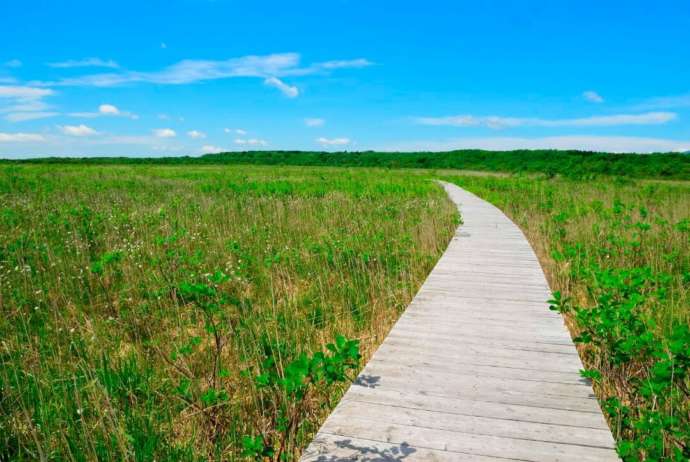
(188, 77)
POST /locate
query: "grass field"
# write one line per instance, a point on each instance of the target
(172, 313)
(578, 164)
(618, 253)
(184, 312)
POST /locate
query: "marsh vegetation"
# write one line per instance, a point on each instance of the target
(166, 313)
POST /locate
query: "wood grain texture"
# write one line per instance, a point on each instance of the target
(476, 368)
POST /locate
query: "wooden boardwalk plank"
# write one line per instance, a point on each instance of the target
(476, 368)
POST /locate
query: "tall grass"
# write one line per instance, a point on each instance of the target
(618, 254)
(138, 304)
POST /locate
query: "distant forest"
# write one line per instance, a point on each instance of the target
(550, 162)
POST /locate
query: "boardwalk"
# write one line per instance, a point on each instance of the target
(477, 368)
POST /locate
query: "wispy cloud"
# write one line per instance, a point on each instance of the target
(666, 102)
(251, 142)
(579, 142)
(23, 103)
(24, 116)
(271, 68)
(592, 96)
(333, 141)
(77, 130)
(23, 92)
(237, 131)
(105, 110)
(211, 149)
(20, 137)
(344, 63)
(314, 122)
(190, 70)
(164, 133)
(13, 63)
(86, 62)
(196, 134)
(288, 90)
(498, 122)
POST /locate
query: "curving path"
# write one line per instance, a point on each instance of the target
(477, 368)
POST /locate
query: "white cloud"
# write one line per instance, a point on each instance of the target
(25, 103)
(164, 45)
(333, 141)
(108, 109)
(344, 63)
(78, 130)
(20, 92)
(190, 70)
(251, 142)
(13, 63)
(211, 149)
(105, 110)
(86, 62)
(164, 133)
(24, 116)
(196, 134)
(666, 102)
(592, 96)
(20, 137)
(288, 90)
(497, 122)
(579, 142)
(314, 122)
(268, 67)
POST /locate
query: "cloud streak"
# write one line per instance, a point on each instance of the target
(196, 134)
(77, 130)
(24, 103)
(13, 63)
(579, 142)
(251, 142)
(164, 133)
(24, 116)
(271, 68)
(333, 141)
(105, 110)
(666, 102)
(498, 122)
(20, 137)
(314, 122)
(592, 96)
(211, 149)
(86, 62)
(288, 90)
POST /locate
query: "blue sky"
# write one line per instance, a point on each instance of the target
(191, 76)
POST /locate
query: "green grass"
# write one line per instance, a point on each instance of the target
(618, 254)
(139, 304)
(551, 162)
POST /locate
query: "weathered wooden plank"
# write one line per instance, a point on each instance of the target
(477, 368)
(481, 445)
(385, 414)
(335, 448)
(415, 400)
